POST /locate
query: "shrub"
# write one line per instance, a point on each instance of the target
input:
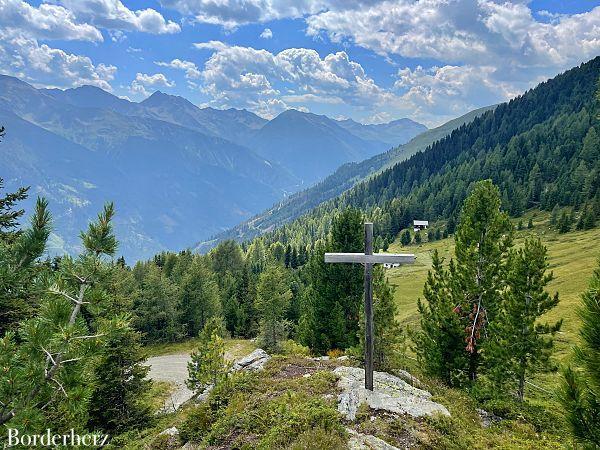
(292, 348)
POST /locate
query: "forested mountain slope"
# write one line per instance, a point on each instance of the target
(542, 149)
(341, 180)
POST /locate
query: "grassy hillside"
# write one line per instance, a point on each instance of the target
(572, 259)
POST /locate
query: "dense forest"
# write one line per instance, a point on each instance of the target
(73, 329)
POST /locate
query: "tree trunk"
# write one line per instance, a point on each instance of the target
(473, 361)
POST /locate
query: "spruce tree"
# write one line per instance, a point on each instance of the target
(337, 288)
(117, 401)
(387, 332)
(520, 344)
(580, 393)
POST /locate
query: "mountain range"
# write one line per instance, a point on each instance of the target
(541, 149)
(177, 173)
(344, 178)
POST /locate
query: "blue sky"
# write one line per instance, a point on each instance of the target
(371, 60)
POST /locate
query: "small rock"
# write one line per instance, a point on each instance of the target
(343, 358)
(320, 358)
(204, 394)
(306, 375)
(413, 381)
(254, 361)
(390, 394)
(359, 441)
(170, 438)
(488, 418)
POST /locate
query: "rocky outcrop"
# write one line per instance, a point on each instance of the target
(390, 394)
(254, 361)
(359, 441)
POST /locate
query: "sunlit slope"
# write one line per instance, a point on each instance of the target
(572, 256)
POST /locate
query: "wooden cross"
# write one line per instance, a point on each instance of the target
(368, 259)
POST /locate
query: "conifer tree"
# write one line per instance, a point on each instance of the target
(440, 343)
(405, 238)
(155, 307)
(117, 401)
(49, 371)
(199, 299)
(483, 238)
(337, 288)
(520, 343)
(471, 289)
(272, 301)
(387, 332)
(21, 280)
(208, 364)
(580, 393)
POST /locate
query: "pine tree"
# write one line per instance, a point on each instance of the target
(473, 285)
(117, 401)
(440, 343)
(580, 393)
(21, 283)
(530, 224)
(208, 365)
(522, 345)
(483, 238)
(272, 301)
(48, 372)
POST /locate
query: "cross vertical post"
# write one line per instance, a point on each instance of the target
(368, 308)
(368, 259)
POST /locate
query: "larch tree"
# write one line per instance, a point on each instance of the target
(199, 296)
(272, 301)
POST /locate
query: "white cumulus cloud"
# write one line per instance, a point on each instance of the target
(190, 69)
(24, 57)
(252, 78)
(266, 33)
(113, 14)
(144, 80)
(46, 22)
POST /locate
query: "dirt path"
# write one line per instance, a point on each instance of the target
(173, 370)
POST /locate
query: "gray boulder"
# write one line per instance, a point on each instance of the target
(359, 441)
(254, 361)
(390, 394)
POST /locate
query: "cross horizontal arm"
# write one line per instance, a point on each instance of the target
(377, 258)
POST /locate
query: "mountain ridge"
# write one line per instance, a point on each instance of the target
(138, 149)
